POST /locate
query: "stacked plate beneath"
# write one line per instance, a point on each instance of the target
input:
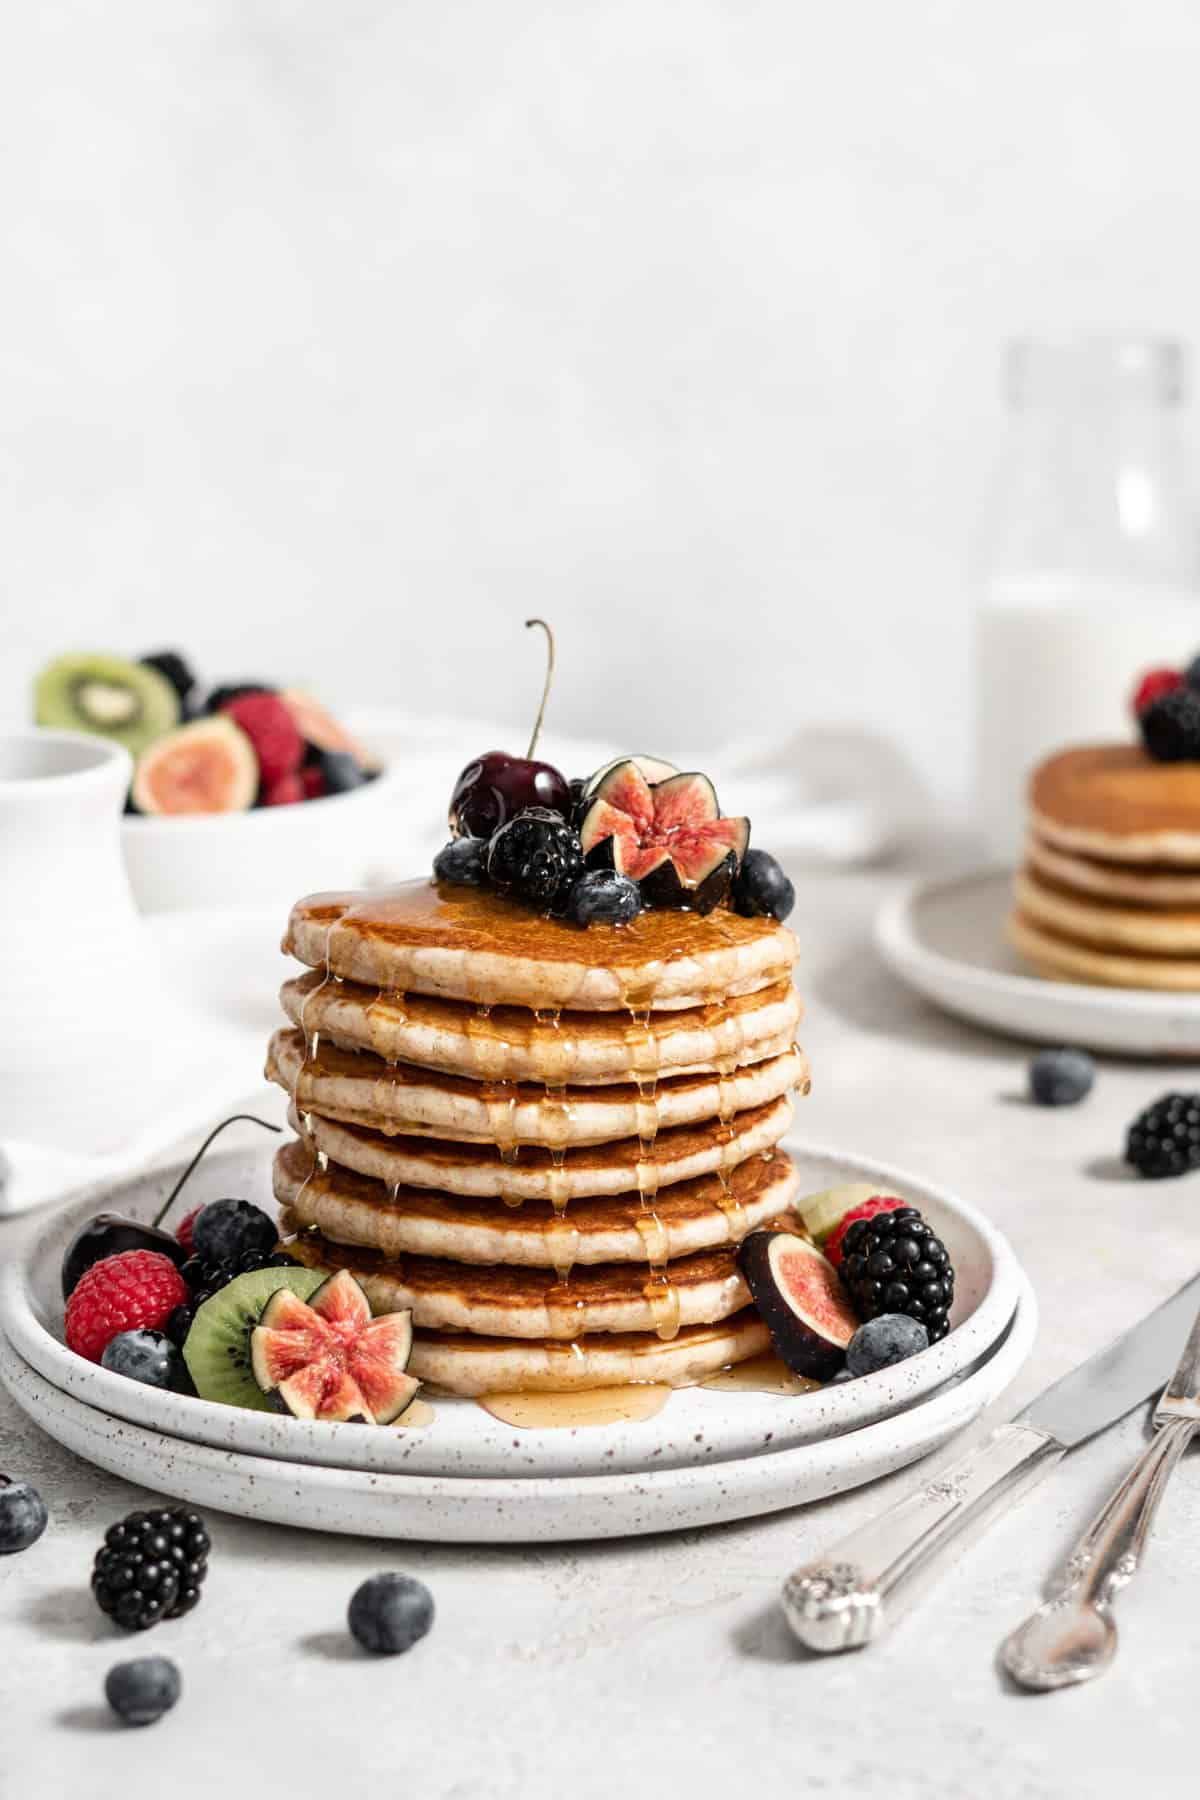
(546, 1143)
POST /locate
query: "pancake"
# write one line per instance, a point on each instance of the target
(479, 1171)
(507, 1300)
(397, 1098)
(1059, 960)
(464, 943)
(348, 1208)
(1115, 802)
(1146, 884)
(1107, 924)
(512, 1044)
(483, 1365)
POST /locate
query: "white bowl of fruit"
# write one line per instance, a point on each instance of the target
(241, 795)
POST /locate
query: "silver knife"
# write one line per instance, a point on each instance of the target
(1072, 1638)
(849, 1596)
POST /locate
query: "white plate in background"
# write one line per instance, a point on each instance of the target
(944, 937)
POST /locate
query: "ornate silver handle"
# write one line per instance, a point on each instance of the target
(1072, 1638)
(850, 1596)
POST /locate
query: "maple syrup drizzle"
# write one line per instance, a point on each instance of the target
(562, 1244)
(576, 1407)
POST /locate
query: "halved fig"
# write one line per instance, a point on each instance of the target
(801, 1301)
(652, 767)
(327, 1358)
(207, 767)
(669, 837)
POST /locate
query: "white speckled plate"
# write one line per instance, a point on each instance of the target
(696, 1426)
(945, 938)
(508, 1510)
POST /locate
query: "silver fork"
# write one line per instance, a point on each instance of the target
(1072, 1637)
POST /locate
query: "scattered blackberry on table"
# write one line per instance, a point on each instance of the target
(537, 857)
(151, 1566)
(390, 1613)
(226, 1229)
(23, 1516)
(1061, 1077)
(893, 1263)
(1165, 1139)
(761, 889)
(1171, 726)
(605, 898)
(150, 1357)
(142, 1690)
(889, 1338)
(462, 861)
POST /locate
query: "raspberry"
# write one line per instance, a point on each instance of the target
(134, 1289)
(284, 792)
(1153, 685)
(270, 727)
(867, 1209)
(314, 782)
(183, 1231)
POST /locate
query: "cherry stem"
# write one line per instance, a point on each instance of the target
(244, 1118)
(546, 685)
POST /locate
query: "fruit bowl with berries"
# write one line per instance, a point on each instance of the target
(241, 793)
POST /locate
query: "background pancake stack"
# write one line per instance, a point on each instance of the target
(548, 1142)
(1110, 891)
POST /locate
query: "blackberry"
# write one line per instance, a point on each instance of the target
(536, 857)
(761, 889)
(237, 690)
(1171, 726)
(462, 861)
(151, 1566)
(1165, 1139)
(893, 1263)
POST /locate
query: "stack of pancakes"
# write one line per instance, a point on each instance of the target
(547, 1142)
(1110, 891)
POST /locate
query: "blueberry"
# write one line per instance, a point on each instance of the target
(761, 888)
(389, 1613)
(1061, 1077)
(146, 1356)
(142, 1690)
(226, 1229)
(1191, 674)
(23, 1516)
(603, 897)
(342, 771)
(890, 1338)
(463, 861)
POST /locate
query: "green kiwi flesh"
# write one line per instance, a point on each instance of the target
(106, 696)
(217, 1350)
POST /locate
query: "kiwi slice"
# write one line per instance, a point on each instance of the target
(217, 1350)
(106, 696)
(823, 1213)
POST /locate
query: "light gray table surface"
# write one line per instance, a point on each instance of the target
(660, 1667)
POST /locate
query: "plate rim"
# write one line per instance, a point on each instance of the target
(706, 1493)
(859, 1404)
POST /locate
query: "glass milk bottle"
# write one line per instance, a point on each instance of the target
(1092, 569)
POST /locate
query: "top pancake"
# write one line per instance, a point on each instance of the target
(463, 943)
(510, 1043)
(1115, 802)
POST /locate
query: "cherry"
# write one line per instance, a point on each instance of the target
(495, 786)
(110, 1233)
